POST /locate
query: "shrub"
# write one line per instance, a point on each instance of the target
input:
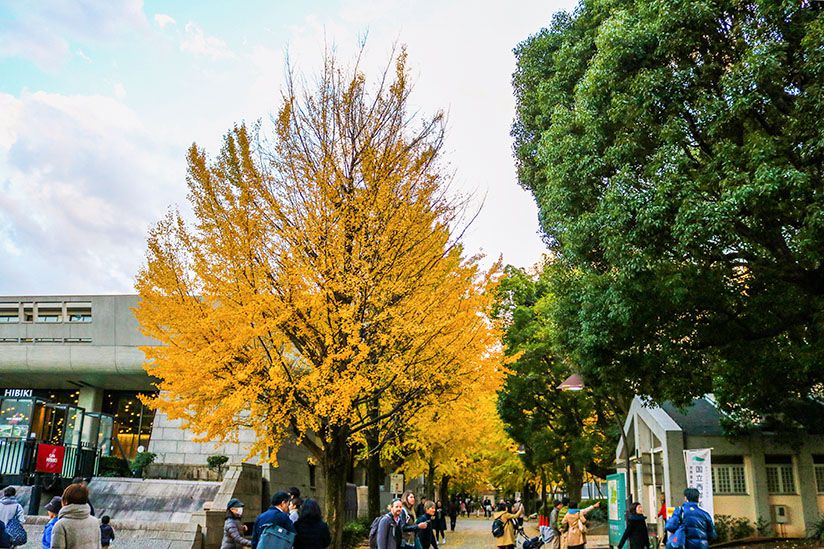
(217, 461)
(816, 531)
(354, 533)
(763, 527)
(111, 466)
(732, 528)
(140, 461)
(599, 514)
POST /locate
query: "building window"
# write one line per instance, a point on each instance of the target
(50, 312)
(818, 465)
(728, 479)
(28, 312)
(780, 476)
(9, 313)
(79, 311)
(311, 475)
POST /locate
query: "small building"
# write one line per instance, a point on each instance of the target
(755, 476)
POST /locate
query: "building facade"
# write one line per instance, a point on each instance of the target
(756, 476)
(71, 373)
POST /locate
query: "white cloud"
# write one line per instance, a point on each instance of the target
(199, 43)
(119, 90)
(163, 20)
(81, 54)
(81, 182)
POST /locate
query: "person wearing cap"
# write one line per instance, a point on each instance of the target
(277, 514)
(232, 527)
(52, 508)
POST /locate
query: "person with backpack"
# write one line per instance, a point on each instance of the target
(233, 527)
(690, 527)
(427, 537)
(574, 524)
(636, 531)
(311, 531)
(385, 532)
(503, 526)
(277, 515)
(12, 517)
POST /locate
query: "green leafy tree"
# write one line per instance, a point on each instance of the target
(675, 152)
(564, 434)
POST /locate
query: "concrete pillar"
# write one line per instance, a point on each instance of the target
(90, 399)
(807, 487)
(675, 472)
(758, 471)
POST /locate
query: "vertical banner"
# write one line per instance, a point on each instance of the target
(699, 475)
(617, 506)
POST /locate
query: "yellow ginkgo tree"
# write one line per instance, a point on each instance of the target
(320, 293)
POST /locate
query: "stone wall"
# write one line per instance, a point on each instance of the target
(150, 500)
(135, 534)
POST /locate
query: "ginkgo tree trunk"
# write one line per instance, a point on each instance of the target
(321, 275)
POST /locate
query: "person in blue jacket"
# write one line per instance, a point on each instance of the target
(52, 508)
(278, 514)
(698, 525)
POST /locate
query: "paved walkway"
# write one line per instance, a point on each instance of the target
(476, 533)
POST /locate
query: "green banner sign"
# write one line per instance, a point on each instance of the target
(617, 506)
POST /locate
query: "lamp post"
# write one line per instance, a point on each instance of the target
(575, 382)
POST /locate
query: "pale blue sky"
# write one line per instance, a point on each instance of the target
(99, 100)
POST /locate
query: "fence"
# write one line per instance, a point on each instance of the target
(17, 458)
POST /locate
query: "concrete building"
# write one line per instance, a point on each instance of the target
(754, 476)
(71, 370)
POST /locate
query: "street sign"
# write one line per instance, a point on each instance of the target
(617, 507)
(49, 459)
(396, 483)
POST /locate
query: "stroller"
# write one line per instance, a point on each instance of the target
(530, 543)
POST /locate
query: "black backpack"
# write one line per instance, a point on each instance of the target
(498, 527)
(373, 531)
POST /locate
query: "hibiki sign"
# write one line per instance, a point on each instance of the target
(50, 459)
(19, 393)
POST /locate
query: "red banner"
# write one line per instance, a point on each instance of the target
(49, 458)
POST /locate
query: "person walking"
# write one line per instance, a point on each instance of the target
(463, 508)
(75, 528)
(277, 514)
(84, 481)
(575, 524)
(106, 531)
(233, 528)
(553, 539)
(559, 523)
(453, 514)
(440, 522)
(409, 526)
(698, 526)
(52, 508)
(636, 531)
(389, 527)
(426, 536)
(311, 531)
(10, 509)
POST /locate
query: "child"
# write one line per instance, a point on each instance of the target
(106, 531)
(52, 508)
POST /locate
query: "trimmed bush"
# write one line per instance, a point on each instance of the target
(111, 466)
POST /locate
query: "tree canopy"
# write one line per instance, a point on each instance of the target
(563, 434)
(320, 293)
(675, 153)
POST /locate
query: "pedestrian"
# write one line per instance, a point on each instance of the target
(554, 534)
(426, 536)
(5, 540)
(575, 524)
(636, 531)
(507, 540)
(697, 523)
(276, 514)
(463, 508)
(453, 514)
(487, 508)
(518, 509)
(294, 508)
(409, 526)
(389, 527)
(233, 528)
(662, 514)
(440, 522)
(293, 492)
(75, 528)
(559, 523)
(312, 531)
(52, 508)
(106, 531)
(10, 509)
(84, 481)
